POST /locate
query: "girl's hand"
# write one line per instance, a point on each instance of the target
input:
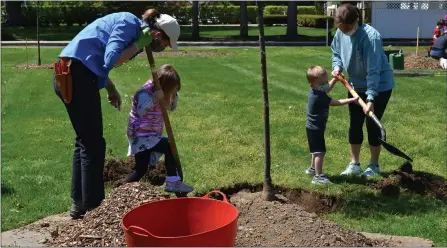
(158, 94)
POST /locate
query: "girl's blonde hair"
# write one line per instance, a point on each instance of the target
(169, 81)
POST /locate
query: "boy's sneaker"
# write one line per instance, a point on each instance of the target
(352, 169)
(320, 179)
(178, 186)
(373, 169)
(310, 171)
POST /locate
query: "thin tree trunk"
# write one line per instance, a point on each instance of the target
(292, 20)
(243, 19)
(195, 20)
(38, 36)
(267, 193)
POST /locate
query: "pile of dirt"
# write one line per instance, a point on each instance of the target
(101, 227)
(115, 170)
(33, 66)
(413, 181)
(283, 223)
(421, 62)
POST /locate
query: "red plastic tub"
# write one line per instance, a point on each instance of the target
(182, 222)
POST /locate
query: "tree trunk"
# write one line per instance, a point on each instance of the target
(14, 13)
(195, 20)
(38, 36)
(292, 20)
(267, 193)
(243, 19)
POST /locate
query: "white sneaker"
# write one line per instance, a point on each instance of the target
(352, 169)
(372, 170)
(443, 63)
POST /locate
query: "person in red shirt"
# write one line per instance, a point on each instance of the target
(438, 30)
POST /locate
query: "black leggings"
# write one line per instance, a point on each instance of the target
(142, 160)
(357, 118)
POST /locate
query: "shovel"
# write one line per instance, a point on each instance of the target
(393, 150)
(164, 111)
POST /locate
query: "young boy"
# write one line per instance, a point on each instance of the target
(317, 116)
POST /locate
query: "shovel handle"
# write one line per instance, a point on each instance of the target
(363, 104)
(352, 91)
(164, 110)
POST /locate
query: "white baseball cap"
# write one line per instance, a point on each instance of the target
(170, 26)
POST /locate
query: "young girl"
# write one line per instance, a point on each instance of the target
(146, 127)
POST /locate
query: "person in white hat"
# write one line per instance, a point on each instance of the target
(104, 44)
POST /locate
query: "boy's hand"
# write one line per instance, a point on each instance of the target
(355, 100)
(158, 94)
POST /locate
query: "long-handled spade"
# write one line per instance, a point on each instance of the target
(388, 147)
(164, 111)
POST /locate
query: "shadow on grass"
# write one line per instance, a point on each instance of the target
(367, 204)
(338, 179)
(6, 189)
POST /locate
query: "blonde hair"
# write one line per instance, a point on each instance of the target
(169, 80)
(315, 73)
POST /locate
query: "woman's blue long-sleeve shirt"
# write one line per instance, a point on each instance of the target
(99, 45)
(363, 57)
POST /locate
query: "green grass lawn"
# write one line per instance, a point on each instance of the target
(206, 32)
(218, 128)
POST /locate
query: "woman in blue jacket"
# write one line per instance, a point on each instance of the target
(357, 48)
(105, 43)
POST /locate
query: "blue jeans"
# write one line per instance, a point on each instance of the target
(87, 182)
(437, 53)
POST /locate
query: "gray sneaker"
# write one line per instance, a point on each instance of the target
(310, 171)
(320, 179)
(371, 170)
(178, 186)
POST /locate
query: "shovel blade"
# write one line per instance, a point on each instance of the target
(394, 150)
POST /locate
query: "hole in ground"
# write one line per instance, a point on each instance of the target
(313, 202)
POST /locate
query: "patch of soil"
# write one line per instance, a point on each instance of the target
(101, 227)
(115, 170)
(33, 66)
(186, 53)
(283, 223)
(413, 181)
(420, 62)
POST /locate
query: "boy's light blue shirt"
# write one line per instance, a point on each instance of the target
(99, 45)
(363, 57)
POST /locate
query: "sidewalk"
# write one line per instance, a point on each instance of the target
(214, 43)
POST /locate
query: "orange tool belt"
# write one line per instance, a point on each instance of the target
(63, 78)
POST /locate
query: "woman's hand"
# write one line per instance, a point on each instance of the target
(369, 107)
(336, 72)
(113, 95)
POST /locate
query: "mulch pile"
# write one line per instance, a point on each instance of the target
(420, 62)
(101, 227)
(413, 181)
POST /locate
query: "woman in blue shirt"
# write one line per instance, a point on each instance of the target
(105, 43)
(357, 48)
